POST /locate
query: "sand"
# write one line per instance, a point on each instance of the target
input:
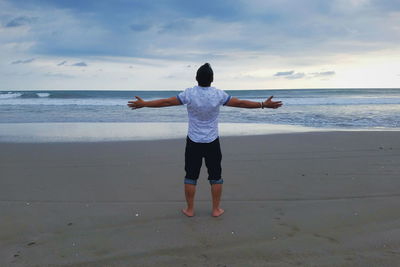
(306, 199)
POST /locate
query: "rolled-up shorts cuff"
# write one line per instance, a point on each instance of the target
(190, 181)
(219, 181)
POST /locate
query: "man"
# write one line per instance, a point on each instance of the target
(203, 103)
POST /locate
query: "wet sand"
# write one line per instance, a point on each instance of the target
(305, 199)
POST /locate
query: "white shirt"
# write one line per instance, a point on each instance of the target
(203, 109)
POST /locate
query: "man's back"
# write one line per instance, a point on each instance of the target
(203, 105)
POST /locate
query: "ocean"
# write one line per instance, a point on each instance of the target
(321, 109)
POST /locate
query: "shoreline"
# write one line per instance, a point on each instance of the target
(64, 132)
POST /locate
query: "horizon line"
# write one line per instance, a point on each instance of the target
(178, 90)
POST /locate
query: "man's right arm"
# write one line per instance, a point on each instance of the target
(239, 103)
(159, 103)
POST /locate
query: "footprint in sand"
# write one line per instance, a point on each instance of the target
(293, 229)
(329, 238)
(279, 211)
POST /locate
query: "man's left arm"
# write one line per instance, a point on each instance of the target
(239, 103)
(159, 103)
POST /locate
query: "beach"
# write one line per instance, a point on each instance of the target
(296, 199)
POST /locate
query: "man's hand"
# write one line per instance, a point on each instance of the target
(272, 104)
(139, 103)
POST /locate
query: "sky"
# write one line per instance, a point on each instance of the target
(158, 45)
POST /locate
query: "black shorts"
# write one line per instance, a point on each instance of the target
(194, 154)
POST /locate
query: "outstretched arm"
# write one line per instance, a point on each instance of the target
(239, 103)
(159, 103)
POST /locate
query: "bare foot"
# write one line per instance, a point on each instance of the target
(188, 213)
(217, 212)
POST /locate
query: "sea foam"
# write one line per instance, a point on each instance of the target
(43, 94)
(9, 95)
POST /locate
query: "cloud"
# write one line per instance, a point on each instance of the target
(190, 30)
(323, 74)
(290, 75)
(19, 21)
(80, 64)
(298, 75)
(284, 73)
(62, 63)
(23, 61)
